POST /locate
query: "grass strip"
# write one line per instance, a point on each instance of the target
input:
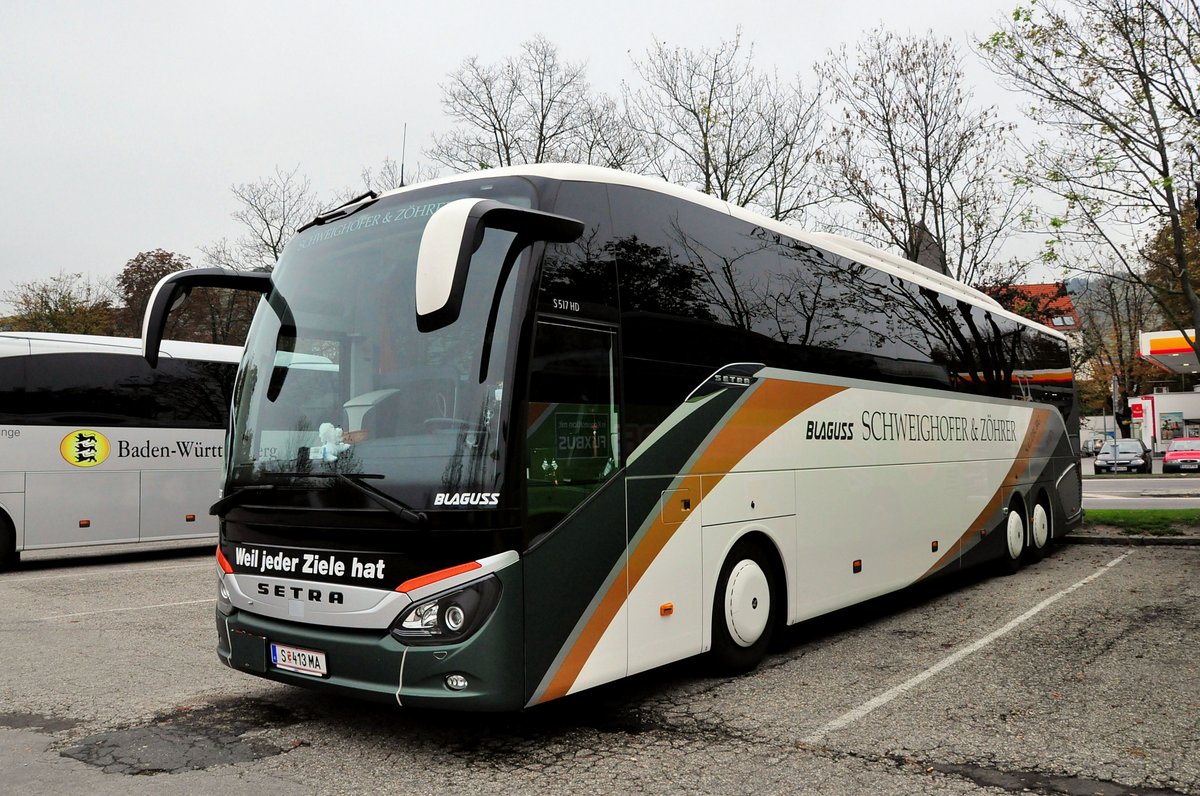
(1146, 522)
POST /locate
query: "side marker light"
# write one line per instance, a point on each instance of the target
(934, 546)
(857, 565)
(85, 523)
(189, 518)
(666, 609)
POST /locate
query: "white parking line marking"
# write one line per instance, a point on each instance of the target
(887, 696)
(89, 575)
(116, 610)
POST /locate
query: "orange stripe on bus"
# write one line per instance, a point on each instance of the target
(772, 404)
(412, 584)
(1039, 426)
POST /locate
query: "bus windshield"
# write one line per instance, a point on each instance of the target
(338, 379)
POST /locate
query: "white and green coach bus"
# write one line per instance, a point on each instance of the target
(97, 448)
(570, 424)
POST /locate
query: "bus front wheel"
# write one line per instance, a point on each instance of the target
(745, 608)
(8, 544)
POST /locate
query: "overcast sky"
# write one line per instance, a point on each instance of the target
(126, 123)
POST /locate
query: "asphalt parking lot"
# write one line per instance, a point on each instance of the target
(1079, 675)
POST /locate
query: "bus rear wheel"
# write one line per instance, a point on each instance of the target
(745, 608)
(1039, 532)
(1014, 541)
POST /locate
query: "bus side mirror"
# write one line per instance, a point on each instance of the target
(453, 234)
(172, 289)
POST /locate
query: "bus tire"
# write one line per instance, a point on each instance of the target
(1014, 540)
(8, 544)
(745, 609)
(1040, 532)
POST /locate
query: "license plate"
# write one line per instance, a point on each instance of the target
(295, 659)
(1190, 466)
(1120, 469)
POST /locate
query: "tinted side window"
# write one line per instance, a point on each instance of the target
(12, 387)
(684, 308)
(695, 282)
(656, 268)
(844, 318)
(120, 390)
(579, 279)
(194, 394)
(701, 288)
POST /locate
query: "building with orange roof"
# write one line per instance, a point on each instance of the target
(1049, 303)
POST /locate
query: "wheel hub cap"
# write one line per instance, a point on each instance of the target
(747, 603)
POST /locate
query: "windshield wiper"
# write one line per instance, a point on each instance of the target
(355, 480)
(341, 211)
(382, 498)
(235, 498)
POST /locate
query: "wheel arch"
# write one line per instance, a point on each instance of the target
(765, 540)
(1019, 500)
(9, 549)
(1042, 495)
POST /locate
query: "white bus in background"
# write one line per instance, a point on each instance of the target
(97, 448)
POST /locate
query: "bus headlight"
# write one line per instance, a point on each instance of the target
(448, 617)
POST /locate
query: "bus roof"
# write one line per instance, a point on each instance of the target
(53, 342)
(858, 251)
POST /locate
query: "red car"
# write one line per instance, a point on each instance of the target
(1183, 455)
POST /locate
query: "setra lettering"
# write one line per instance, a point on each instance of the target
(300, 593)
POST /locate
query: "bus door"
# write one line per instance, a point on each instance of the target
(572, 432)
(574, 507)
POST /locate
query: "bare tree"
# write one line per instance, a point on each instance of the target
(1118, 84)
(1112, 310)
(269, 212)
(712, 119)
(793, 119)
(924, 167)
(607, 139)
(531, 108)
(388, 176)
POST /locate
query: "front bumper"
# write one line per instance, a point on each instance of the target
(371, 664)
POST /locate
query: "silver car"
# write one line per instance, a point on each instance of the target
(1124, 456)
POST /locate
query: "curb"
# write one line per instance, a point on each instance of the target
(1133, 541)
